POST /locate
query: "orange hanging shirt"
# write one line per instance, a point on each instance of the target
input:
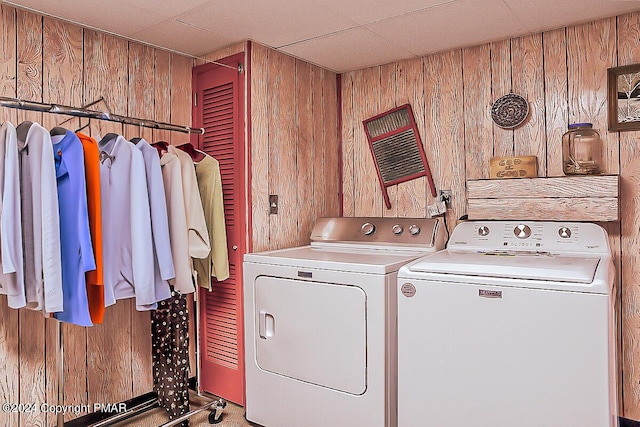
(95, 284)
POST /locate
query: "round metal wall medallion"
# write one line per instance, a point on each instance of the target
(510, 111)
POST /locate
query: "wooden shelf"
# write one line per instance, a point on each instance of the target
(571, 198)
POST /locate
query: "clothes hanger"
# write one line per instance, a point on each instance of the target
(196, 155)
(82, 127)
(161, 146)
(58, 131)
(137, 139)
(23, 129)
(105, 140)
(108, 137)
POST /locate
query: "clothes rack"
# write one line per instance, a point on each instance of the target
(217, 405)
(22, 104)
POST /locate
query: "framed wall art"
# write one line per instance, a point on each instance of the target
(624, 97)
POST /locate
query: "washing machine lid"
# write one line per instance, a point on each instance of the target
(515, 265)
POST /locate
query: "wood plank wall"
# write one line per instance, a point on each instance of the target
(563, 74)
(46, 60)
(294, 147)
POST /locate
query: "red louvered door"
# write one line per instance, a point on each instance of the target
(219, 108)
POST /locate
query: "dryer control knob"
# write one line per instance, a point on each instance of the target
(522, 231)
(564, 232)
(483, 231)
(414, 230)
(397, 229)
(368, 228)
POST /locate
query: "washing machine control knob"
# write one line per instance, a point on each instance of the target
(564, 232)
(414, 230)
(522, 231)
(368, 228)
(483, 231)
(397, 229)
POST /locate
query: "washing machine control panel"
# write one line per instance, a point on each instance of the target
(529, 236)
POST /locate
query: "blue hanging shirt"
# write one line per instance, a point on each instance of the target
(75, 236)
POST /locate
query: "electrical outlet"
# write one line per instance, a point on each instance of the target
(445, 196)
(438, 208)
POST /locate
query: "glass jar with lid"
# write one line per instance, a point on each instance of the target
(581, 150)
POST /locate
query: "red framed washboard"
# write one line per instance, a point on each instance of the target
(397, 149)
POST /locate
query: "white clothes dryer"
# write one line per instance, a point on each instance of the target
(320, 338)
(511, 325)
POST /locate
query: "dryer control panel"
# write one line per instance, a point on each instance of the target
(534, 236)
(398, 232)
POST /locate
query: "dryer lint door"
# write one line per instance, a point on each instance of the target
(312, 332)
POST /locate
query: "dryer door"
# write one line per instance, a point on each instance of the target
(313, 332)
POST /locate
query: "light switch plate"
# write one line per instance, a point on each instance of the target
(273, 204)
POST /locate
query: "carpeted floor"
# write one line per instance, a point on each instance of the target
(232, 416)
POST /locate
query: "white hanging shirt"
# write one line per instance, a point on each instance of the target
(163, 261)
(172, 178)
(40, 219)
(126, 224)
(199, 246)
(12, 272)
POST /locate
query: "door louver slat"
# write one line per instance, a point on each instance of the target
(221, 312)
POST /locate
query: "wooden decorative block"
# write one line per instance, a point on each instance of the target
(581, 198)
(513, 167)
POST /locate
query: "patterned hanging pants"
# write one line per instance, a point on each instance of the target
(170, 345)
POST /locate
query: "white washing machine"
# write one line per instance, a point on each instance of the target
(320, 323)
(512, 325)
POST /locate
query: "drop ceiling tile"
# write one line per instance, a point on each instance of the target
(324, 31)
(275, 23)
(169, 8)
(184, 38)
(62, 8)
(367, 11)
(116, 16)
(347, 50)
(541, 15)
(451, 25)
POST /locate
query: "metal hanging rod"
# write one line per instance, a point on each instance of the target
(93, 114)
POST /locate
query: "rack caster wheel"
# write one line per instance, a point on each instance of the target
(213, 419)
(215, 416)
